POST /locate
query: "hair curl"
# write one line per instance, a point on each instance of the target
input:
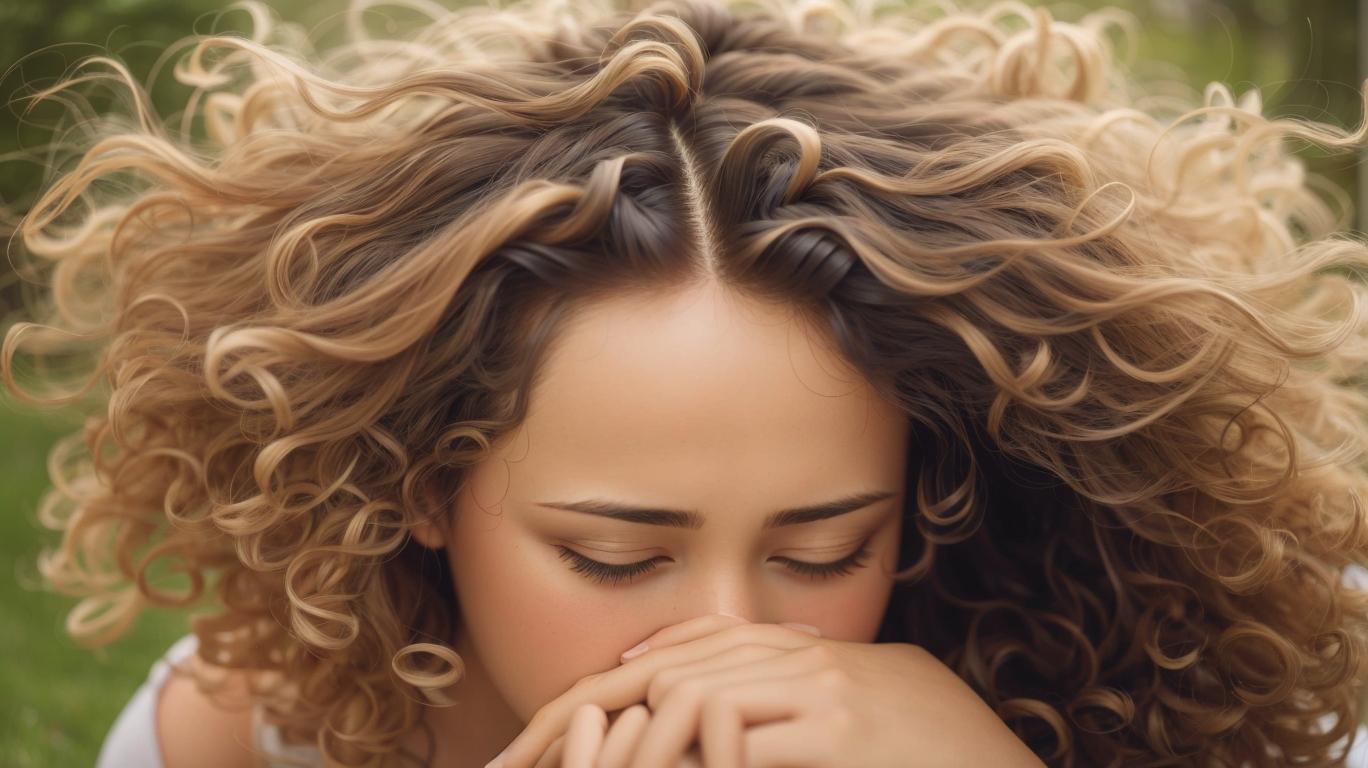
(1127, 333)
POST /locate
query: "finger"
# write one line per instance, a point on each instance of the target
(583, 739)
(551, 758)
(685, 631)
(622, 737)
(627, 684)
(731, 659)
(722, 733)
(677, 721)
(728, 739)
(775, 723)
(620, 743)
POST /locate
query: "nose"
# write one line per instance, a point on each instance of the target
(726, 592)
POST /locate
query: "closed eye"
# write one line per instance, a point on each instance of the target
(615, 574)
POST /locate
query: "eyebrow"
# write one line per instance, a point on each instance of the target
(683, 518)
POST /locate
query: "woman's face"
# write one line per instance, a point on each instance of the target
(708, 415)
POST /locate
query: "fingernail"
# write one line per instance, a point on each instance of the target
(808, 628)
(636, 651)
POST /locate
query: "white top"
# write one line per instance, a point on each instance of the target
(132, 741)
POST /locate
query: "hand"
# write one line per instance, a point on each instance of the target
(762, 695)
(597, 739)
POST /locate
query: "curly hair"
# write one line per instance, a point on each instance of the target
(1126, 332)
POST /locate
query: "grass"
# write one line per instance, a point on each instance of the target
(59, 698)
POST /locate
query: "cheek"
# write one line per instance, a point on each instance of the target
(852, 611)
(536, 626)
(851, 608)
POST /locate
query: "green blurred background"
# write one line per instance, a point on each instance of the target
(57, 700)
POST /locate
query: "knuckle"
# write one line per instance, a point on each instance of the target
(690, 690)
(582, 688)
(557, 710)
(823, 655)
(833, 679)
(842, 722)
(666, 678)
(658, 688)
(589, 711)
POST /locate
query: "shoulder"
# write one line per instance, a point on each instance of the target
(198, 729)
(170, 723)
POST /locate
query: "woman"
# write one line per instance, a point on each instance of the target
(448, 370)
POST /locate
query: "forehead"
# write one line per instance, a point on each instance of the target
(704, 380)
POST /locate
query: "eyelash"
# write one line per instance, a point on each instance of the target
(614, 574)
